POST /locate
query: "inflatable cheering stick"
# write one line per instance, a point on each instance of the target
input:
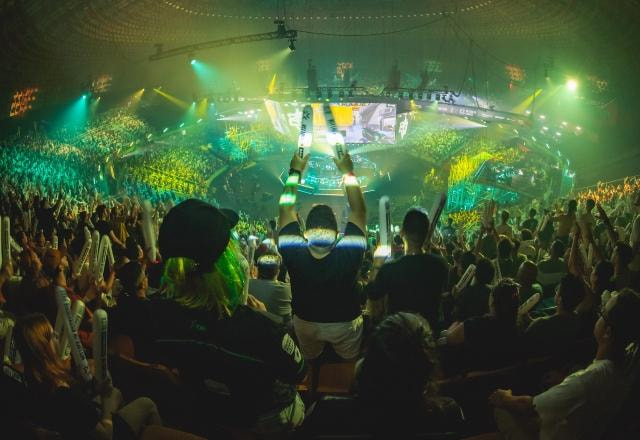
(100, 327)
(148, 231)
(77, 313)
(466, 277)
(93, 253)
(306, 131)
(84, 253)
(5, 240)
(334, 137)
(384, 212)
(77, 352)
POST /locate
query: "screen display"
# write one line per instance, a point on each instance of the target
(359, 123)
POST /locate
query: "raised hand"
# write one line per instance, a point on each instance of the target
(345, 165)
(297, 163)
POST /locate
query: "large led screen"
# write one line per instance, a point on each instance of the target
(359, 123)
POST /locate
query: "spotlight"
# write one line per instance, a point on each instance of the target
(292, 46)
(572, 85)
(193, 61)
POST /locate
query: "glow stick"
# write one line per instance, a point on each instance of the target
(100, 325)
(334, 137)
(306, 131)
(529, 304)
(93, 254)
(466, 277)
(105, 243)
(77, 352)
(384, 215)
(5, 242)
(77, 313)
(81, 262)
(147, 231)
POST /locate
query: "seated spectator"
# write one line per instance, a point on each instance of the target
(531, 223)
(205, 331)
(551, 334)
(584, 404)
(275, 295)
(132, 302)
(396, 380)
(526, 277)
(414, 282)
(59, 402)
(489, 341)
(552, 269)
(473, 300)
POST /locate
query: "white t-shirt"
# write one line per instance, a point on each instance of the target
(582, 406)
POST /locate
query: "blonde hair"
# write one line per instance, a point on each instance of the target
(218, 290)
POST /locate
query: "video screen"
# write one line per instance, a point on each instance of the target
(359, 123)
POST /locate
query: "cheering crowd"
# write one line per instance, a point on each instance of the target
(219, 326)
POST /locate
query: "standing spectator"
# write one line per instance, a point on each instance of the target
(323, 270)
(503, 228)
(473, 300)
(552, 269)
(531, 223)
(415, 282)
(566, 222)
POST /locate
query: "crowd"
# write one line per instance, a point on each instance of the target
(184, 170)
(523, 325)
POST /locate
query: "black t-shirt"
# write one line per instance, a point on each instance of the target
(251, 354)
(323, 290)
(488, 343)
(103, 227)
(472, 301)
(531, 224)
(413, 283)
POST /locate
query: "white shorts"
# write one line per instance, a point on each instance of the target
(345, 337)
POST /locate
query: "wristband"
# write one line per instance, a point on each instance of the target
(350, 179)
(293, 179)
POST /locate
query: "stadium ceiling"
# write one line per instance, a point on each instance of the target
(40, 33)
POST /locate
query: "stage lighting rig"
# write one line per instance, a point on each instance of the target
(280, 33)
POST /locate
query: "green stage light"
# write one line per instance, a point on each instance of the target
(193, 61)
(572, 85)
